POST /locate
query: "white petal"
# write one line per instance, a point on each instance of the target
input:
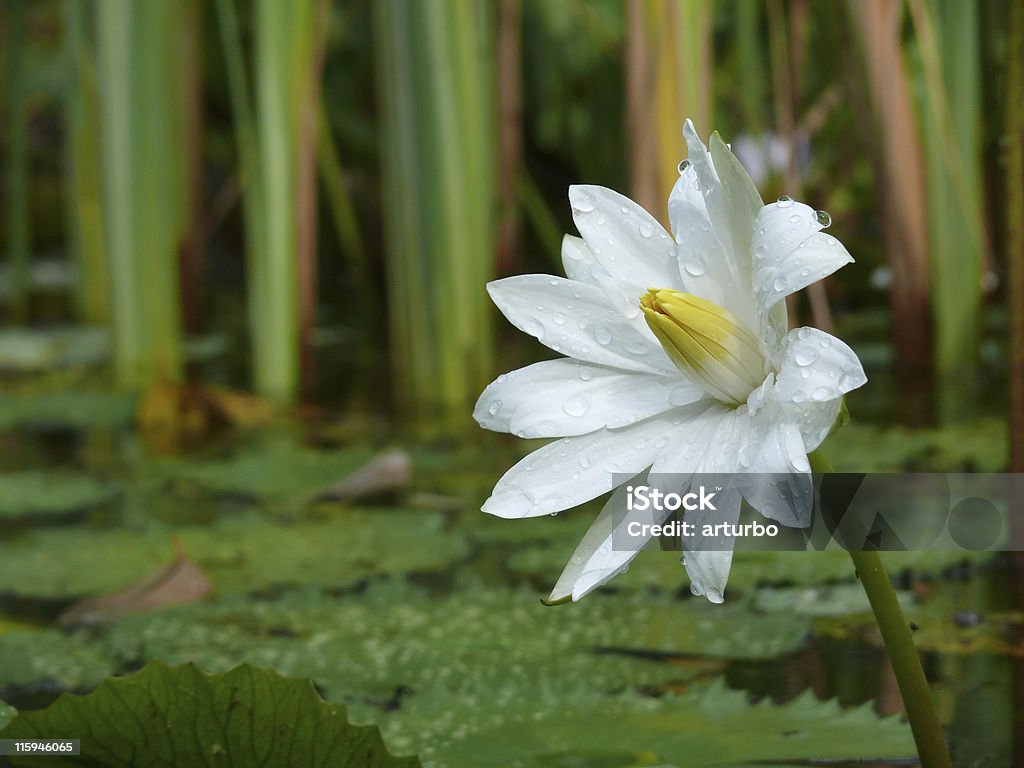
(815, 420)
(708, 559)
(576, 319)
(791, 252)
(816, 370)
(684, 450)
(816, 367)
(573, 470)
(779, 483)
(596, 560)
(625, 239)
(567, 397)
(577, 260)
(713, 229)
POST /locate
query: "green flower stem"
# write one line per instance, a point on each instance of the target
(899, 645)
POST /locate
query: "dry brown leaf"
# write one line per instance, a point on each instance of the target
(179, 583)
(386, 473)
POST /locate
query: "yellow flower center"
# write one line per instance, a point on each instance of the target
(706, 342)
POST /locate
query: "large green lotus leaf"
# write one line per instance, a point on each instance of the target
(7, 713)
(36, 494)
(713, 726)
(481, 642)
(274, 468)
(68, 408)
(361, 648)
(239, 554)
(32, 657)
(179, 716)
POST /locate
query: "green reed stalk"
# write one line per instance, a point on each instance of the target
(267, 117)
(436, 150)
(18, 223)
(145, 200)
(84, 194)
(1014, 191)
(751, 66)
(948, 46)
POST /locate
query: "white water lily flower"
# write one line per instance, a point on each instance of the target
(678, 359)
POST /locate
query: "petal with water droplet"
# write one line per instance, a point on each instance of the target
(628, 347)
(554, 478)
(566, 397)
(615, 237)
(793, 253)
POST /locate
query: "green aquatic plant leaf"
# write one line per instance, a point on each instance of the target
(273, 469)
(43, 494)
(244, 554)
(73, 408)
(26, 350)
(708, 726)
(7, 713)
(361, 648)
(175, 716)
(37, 658)
(822, 600)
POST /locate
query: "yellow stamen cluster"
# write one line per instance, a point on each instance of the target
(706, 342)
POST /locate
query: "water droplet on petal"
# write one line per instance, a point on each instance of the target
(586, 374)
(780, 284)
(804, 357)
(800, 463)
(822, 393)
(785, 201)
(794, 219)
(603, 336)
(683, 165)
(646, 229)
(661, 442)
(714, 595)
(494, 407)
(696, 266)
(576, 405)
(848, 382)
(823, 218)
(534, 327)
(584, 462)
(558, 318)
(825, 343)
(583, 203)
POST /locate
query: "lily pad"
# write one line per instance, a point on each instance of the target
(478, 643)
(710, 727)
(68, 408)
(34, 494)
(173, 716)
(7, 713)
(32, 657)
(979, 446)
(274, 469)
(40, 350)
(361, 648)
(239, 555)
(823, 600)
